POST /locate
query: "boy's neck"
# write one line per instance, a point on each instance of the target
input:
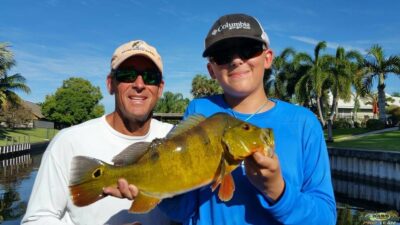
(249, 104)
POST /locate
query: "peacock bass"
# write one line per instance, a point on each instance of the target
(197, 152)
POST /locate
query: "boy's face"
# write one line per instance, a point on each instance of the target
(238, 65)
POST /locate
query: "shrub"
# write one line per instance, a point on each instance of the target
(359, 124)
(341, 123)
(395, 115)
(375, 124)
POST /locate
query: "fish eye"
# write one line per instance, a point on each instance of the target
(246, 126)
(97, 173)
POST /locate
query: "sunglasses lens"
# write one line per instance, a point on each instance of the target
(221, 59)
(250, 52)
(126, 75)
(245, 52)
(130, 75)
(151, 77)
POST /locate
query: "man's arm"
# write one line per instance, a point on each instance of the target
(49, 196)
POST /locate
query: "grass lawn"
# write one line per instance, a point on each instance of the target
(383, 141)
(340, 133)
(23, 135)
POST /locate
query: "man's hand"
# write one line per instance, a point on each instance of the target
(123, 190)
(265, 174)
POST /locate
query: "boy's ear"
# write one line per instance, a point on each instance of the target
(210, 70)
(110, 86)
(269, 57)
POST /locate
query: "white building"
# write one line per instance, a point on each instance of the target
(345, 109)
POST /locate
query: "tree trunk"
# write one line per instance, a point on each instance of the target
(330, 132)
(331, 117)
(333, 107)
(321, 117)
(382, 99)
(355, 108)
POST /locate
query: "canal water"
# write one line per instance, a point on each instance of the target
(359, 202)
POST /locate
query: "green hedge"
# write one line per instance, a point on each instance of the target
(375, 124)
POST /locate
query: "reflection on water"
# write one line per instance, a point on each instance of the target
(16, 179)
(366, 201)
(359, 201)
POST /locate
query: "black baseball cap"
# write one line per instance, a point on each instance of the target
(235, 26)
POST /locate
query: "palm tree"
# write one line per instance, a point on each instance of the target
(340, 80)
(171, 103)
(9, 84)
(379, 67)
(204, 86)
(277, 85)
(315, 76)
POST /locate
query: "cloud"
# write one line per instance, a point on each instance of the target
(331, 45)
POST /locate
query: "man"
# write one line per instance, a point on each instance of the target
(292, 187)
(136, 81)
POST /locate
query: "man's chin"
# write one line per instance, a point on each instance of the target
(140, 117)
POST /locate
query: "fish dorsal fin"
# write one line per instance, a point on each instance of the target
(131, 154)
(186, 125)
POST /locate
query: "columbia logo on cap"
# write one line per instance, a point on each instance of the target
(230, 26)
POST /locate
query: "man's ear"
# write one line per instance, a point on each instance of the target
(210, 70)
(110, 85)
(160, 89)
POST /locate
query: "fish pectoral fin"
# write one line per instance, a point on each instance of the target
(143, 204)
(218, 176)
(226, 188)
(215, 184)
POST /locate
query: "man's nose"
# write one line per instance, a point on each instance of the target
(139, 83)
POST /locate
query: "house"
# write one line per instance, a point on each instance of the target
(34, 108)
(365, 112)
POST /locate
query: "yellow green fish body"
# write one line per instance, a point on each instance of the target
(196, 153)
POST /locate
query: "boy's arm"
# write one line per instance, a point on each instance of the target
(314, 202)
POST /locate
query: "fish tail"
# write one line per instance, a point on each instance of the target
(87, 180)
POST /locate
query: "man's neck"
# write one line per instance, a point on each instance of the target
(128, 126)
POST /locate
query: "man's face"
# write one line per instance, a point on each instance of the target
(135, 100)
(238, 65)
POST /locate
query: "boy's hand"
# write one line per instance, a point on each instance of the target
(265, 174)
(123, 190)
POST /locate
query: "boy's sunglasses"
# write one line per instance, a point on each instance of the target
(225, 55)
(150, 77)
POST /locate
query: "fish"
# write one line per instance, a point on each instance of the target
(197, 152)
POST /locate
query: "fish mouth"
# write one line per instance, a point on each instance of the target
(268, 142)
(229, 158)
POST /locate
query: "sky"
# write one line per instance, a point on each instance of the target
(53, 40)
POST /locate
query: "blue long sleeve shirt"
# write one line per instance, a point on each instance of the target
(299, 143)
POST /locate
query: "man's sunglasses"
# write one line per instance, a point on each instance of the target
(150, 77)
(221, 56)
